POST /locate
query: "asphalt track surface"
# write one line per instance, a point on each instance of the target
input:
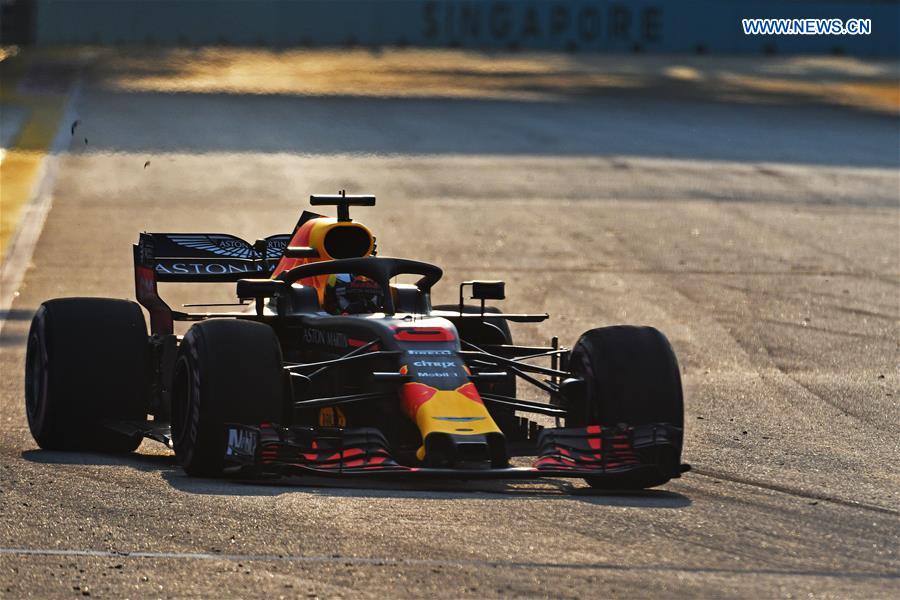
(761, 233)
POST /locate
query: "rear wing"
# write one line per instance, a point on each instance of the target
(208, 257)
(197, 258)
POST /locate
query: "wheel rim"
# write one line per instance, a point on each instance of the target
(36, 375)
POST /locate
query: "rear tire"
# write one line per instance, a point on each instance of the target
(86, 362)
(227, 371)
(632, 377)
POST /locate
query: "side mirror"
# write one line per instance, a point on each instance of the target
(301, 252)
(488, 290)
(482, 290)
(259, 289)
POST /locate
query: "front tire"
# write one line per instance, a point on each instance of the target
(631, 376)
(227, 371)
(86, 362)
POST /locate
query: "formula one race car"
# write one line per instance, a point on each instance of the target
(334, 368)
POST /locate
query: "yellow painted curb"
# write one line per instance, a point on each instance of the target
(20, 166)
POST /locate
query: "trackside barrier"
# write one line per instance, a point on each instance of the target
(697, 26)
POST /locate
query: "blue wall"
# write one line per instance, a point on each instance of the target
(641, 25)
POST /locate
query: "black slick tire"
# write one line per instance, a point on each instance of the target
(227, 371)
(86, 365)
(631, 376)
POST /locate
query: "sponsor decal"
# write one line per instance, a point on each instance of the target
(205, 268)
(221, 245)
(217, 254)
(436, 364)
(334, 339)
(241, 442)
(275, 246)
(459, 419)
(443, 364)
(332, 417)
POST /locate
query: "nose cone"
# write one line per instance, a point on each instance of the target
(457, 429)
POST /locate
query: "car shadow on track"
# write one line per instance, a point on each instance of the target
(141, 462)
(545, 489)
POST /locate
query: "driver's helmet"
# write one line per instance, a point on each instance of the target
(347, 294)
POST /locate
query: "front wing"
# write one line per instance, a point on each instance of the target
(622, 456)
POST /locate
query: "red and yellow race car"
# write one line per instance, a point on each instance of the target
(332, 367)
